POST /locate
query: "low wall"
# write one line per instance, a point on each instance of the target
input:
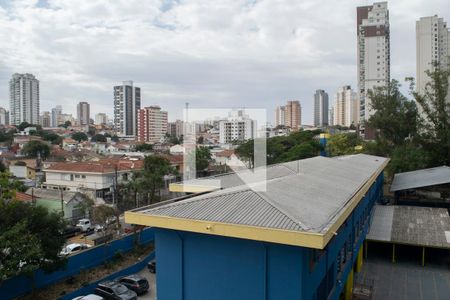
(22, 285)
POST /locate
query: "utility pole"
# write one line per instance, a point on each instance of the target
(62, 202)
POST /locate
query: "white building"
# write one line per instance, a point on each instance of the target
(320, 108)
(127, 101)
(152, 124)
(280, 113)
(373, 52)
(238, 127)
(432, 45)
(346, 110)
(56, 113)
(24, 99)
(4, 116)
(83, 113)
(101, 119)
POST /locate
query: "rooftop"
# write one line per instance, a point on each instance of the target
(51, 194)
(411, 225)
(421, 178)
(101, 166)
(295, 202)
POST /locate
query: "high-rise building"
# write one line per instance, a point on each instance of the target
(83, 113)
(56, 113)
(373, 52)
(432, 46)
(237, 127)
(24, 99)
(127, 101)
(331, 116)
(320, 108)
(101, 119)
(293, 115)
(4, 116)
(175, 128)
(46, 119)
(152, 124)
(280, 113)
(346, 110)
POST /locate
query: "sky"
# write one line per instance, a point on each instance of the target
(212, 54)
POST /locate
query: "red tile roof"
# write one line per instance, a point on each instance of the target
(102, 166)
(24, 197)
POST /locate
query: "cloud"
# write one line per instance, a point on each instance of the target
(211, 54)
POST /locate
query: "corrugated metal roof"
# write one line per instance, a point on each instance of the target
(412, 225)
(421, 178)
(309, 200)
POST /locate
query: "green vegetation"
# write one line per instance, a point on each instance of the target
(144, 147)
(344, 144)
(99, 138)
(79, 136)
(33, 148)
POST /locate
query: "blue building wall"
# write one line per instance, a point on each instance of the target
(199, 266)
(22, 285)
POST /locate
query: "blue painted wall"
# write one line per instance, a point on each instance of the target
(21, 285)
(199, 266)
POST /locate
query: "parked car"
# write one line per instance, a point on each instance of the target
(85, 225)
(89, 297)
(72, 248)
(152, 266)
(114, 291)
(71, 231)
(135, 283)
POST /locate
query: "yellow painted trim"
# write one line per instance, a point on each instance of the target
(295, 238)
(359, 259)
(348, 291)
(190, 188)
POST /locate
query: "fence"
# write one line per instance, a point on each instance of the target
(22, 285)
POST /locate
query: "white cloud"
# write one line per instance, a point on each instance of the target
(252, 53)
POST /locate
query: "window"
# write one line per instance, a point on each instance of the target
(71, 177)
(83, 176)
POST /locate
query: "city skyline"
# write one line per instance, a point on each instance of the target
(231, 68)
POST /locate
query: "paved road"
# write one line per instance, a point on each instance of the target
(152, 281)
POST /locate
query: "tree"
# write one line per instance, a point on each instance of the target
(23, 125)
(144, 147)
(35, 148)
(79, 136)
(52, 137)
(202, 158)
(115, 138)
(155, 168)
(407, 157)
(300, 151)
(343, 144)
(103, 214)
(435, 114)
(246, 152)
(66, 124)
(395, 117)
(99, 138)
(200, 140)
(30, 238)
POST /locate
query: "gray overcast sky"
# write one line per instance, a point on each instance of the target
(232, 53)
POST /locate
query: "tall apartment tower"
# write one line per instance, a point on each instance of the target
(24, 99)
(83, 113)
(152, 124)
(101, 119)
(320, 108)
(346, 108)
(175, 128)
(56, 116)
(280, 113)
(46, 119)
(432, 45)
(373, 52)
(293, 115)
(237, 127)
(4, 116)
(127, 101)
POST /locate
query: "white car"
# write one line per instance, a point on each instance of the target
(72, 248)
(85, 225)
(89, 297)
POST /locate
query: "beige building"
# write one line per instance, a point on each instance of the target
(346, 107)
(152, 124)
(293, 115)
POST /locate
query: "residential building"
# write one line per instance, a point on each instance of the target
(127, 101)
(271, 244)
(4, 116)
(331, 116)
(432, 46)
(346, 110)
(56, 116)
(320, 108)
(176, 128)
(238, 127)
(96, 178)
(101, 119)
(46, 119)
(373, 53)
(280, 113)
(24, 99)
(83, 113)
(293, 115)
(63, 118)
(152, 124)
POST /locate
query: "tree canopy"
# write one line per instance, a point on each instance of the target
(144, 147)
(34, 148)
(99, 138)
(79, 136)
